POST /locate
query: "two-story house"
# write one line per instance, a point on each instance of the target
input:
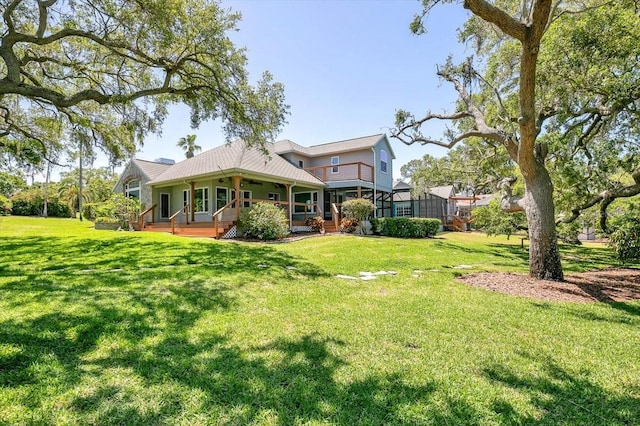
(203, 195)
(353, 168)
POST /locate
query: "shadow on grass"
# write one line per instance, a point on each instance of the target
(115, 332)
(562, 397)
(287, 380)
(132, 253)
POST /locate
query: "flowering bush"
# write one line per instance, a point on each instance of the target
(264, 221)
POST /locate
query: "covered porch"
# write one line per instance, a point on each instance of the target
(211, 206)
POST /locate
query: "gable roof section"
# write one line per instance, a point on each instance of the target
(402, 186)
(237, 157)
(139, 169)
(150, 169)
(286, 146)
(366, 142)
(442, 191)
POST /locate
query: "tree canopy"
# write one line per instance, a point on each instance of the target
(554, 84)
(103, 73)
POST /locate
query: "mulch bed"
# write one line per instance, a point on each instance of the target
(609, 285)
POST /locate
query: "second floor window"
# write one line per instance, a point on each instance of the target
(334, 162)
(383, 161)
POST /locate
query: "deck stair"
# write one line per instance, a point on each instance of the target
(456, 223)
(330, 227)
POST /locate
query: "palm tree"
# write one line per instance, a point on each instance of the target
(188, 143)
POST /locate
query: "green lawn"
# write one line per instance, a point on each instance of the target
(101, 327)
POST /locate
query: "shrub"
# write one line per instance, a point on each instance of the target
(357, 211)
(404, 227)
(264, 221)
(89, 211)
(27, 203)
(625, 238)
(5, 205)
(376, 224)
(31, 203)
(316, 223)
(348, 225)
(494, 221)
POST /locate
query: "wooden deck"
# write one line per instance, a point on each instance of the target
(205, 229)
(193, 229)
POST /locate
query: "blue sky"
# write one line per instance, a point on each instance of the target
(346, 65)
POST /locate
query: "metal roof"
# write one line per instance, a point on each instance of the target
(236, 156)
(366, 142)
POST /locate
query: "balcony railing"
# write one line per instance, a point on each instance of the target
(341, 172)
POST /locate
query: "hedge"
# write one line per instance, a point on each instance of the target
(406, 227)
(31, 203)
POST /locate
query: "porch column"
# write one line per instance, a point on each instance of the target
(287, 188)
(193, 201)
(359, 191)
(236, 185)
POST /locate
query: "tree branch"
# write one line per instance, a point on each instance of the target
(498, 17)
(43, 7)
(605, 198)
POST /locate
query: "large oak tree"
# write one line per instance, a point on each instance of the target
(508, 108)
(103, 72)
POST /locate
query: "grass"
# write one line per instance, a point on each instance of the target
(102, 327)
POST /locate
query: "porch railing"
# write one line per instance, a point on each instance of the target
(317, 211)
(173, 217)
(218, 213)
(335, 215)
(151, 209)
(344, 171)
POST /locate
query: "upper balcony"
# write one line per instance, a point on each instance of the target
(343, 172)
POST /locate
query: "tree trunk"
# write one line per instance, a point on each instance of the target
(544, 257)
(45, 208)
(80, 184)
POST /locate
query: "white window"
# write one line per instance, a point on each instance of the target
(201, 200)
(132, 189)
(334, 162)
(274, 196)
(383, 161)
(403, 210)
(308, 198)
(186, 197)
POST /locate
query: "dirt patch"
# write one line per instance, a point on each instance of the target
(609, 285)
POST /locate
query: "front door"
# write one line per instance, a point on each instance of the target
(331, 197)
(327, 205)
(165, 206)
